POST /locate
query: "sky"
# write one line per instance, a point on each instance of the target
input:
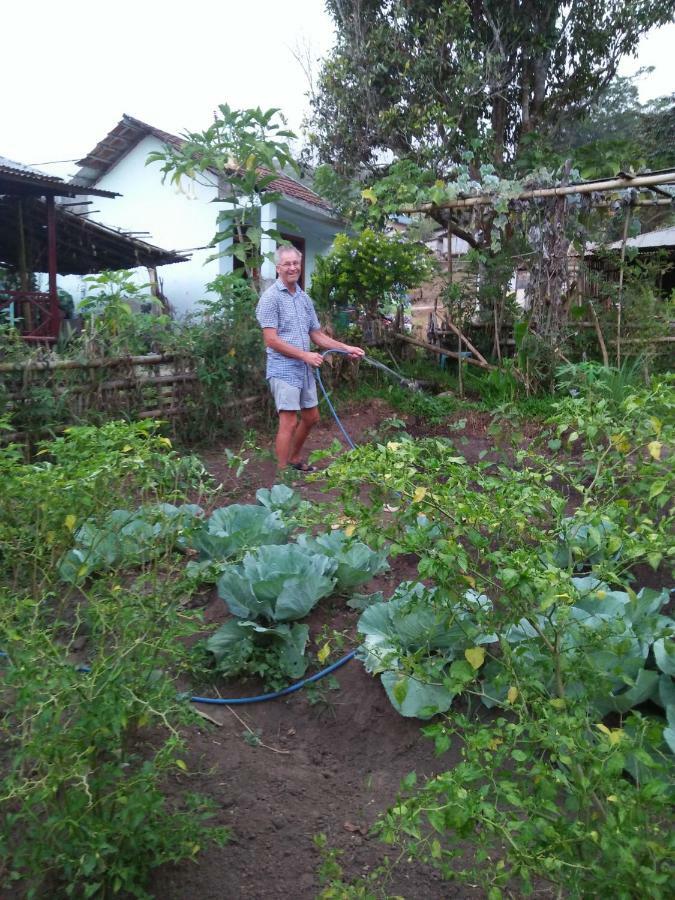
(70, 69)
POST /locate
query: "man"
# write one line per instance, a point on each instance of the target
(289, 323)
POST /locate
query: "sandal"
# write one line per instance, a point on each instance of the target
(302, 467)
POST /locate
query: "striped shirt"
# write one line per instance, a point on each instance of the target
(293, 316)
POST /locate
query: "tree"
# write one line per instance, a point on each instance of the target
(620, 133)
(429, 79)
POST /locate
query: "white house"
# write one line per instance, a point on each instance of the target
(186, 219)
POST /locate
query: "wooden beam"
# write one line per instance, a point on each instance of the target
(432, 348)
(610, 184)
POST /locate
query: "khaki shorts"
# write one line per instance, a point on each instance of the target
(287, 397)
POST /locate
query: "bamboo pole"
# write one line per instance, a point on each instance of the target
(624, 238)
(151, 359)
(432, 348)
(611, 184)
(598, 331)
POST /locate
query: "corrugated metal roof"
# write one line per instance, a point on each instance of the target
(82, 245)
(662, 237)
(26, 178)
(130, 131)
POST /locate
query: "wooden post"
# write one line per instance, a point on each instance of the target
(624, 237)
(25, 307)
(54, 317)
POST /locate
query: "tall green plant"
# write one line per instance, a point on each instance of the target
(247, 150)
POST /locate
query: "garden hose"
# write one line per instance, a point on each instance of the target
(291, 689)
(261, 698)
(411, 385)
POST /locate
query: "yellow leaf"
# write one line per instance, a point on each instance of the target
(436, 849)
(470, 580)
(558, 703)
(620, 443)
(614, 734)
(349, 530)
(654, 448)
(419, 495)
(127, 448)
(69, 522)
(323, 653)
(369, 194)
(232, 352)
(181, 765)
(656, 425)
(512, 694)
(165, 440)
(613, 798)
(475, 656)
(393, 445)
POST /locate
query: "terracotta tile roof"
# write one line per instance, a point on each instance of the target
(129, 131)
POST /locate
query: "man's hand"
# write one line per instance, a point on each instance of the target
(313, 359)
(355, 352)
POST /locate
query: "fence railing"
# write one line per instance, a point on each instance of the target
(45, 396)
(33, 313)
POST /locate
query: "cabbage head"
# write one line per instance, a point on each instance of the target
(231, 529)
(278, 584)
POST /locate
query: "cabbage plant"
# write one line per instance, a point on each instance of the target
(127, 538)
(356, 562)
(416, 642)
(231, 529)
(271, 587)
(278, 584)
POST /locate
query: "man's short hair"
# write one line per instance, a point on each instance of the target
(285, 250)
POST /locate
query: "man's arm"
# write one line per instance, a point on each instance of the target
(323, 342)
(274, 342)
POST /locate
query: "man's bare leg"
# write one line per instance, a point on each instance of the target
(287, 425)
(308, 419)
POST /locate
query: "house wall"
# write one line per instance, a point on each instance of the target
(176, 219)
(186, 217)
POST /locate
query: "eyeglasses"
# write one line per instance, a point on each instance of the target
(289, 265)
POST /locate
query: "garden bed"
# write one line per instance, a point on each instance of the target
(343, 750)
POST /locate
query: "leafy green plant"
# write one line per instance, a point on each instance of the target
(249, 149)
(356, 562)
(127, 538)
(416, 642)
(366, 269)
(118, 315)
(83, 793)
(540, 795)
(270, 588)
(277, 583)
(232, 529)
(84, 474)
